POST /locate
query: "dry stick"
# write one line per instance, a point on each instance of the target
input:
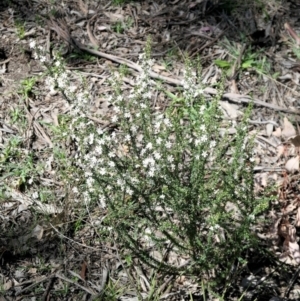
(240, 98)
(78, 243)
(293, 34)
(47, 290)
(131, 65)
(36, 282)
(58, 275)
(292, 282)
(4, 62)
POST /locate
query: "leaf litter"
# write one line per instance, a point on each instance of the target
(276, 154)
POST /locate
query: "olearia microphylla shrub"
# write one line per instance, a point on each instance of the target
(175, 192)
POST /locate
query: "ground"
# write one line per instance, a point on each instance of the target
(254, 45)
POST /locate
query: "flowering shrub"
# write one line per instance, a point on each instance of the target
(177, 194)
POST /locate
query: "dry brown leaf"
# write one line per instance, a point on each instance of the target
(294, 250)
(297, 222)
(101, 28)
(293, 245)
(83, 271)
(296, 140)
(158, 68)
(277, 133)
(280, 151)
(230, 109)
(37, 232)
(233, 87)
(269, 129)
(292, 164)
(114, 17)
(288, 130)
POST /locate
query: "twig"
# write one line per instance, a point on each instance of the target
(240, 98)
(287, 291)
(293, 34)
(5, 61)
(58, 275)
(36, 282)
(78, 243)
(49, 285)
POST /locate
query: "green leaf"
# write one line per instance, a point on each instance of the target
(247, 64)
(173, 96)
(222, 63)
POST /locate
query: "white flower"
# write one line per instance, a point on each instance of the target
(148, 161)
(120, 182)
(98, 150)
(116, 109)
(114, 118)
(143, 151)
(201, 110)
(32, 44)
(43, 59)
(35, 195)
(129, 191)
(101, 141)
(151, 172)
(90, 182)
(111, 154)
(88, 174)
(204, 154)
(111, 163)
(170, 158)
(215, 227)
(75, 190)
(202, 127)
(99, 131)
(197, 142)
(168, 144)
(212, 144)
(102, 202)
(133, 129)
(147, 95)
(86, 197)
(94, 160)
(167, 122)
(203, 138)
(72, 89)
(157, 125)
(158, 141)
(149, 146)
(157, 155)
(102, 171)
(91, 138)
